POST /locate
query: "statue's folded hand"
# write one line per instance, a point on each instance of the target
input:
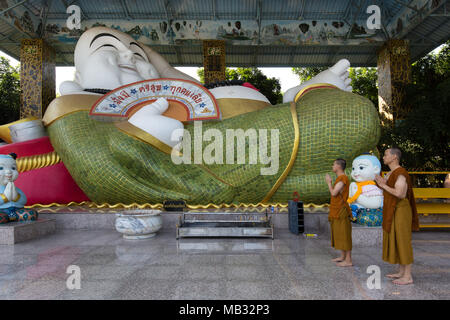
(150, 119)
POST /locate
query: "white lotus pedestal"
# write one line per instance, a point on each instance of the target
(139, 224)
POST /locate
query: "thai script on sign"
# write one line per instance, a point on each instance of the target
(198, 101)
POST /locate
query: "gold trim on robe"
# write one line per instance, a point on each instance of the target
(232, 107)
(293, 154)
(143, 136)
(68, 104)
(306, 89)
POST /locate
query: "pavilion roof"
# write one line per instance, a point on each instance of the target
(264, 33)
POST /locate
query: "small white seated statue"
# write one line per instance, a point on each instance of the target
(106, 59)
(12, 199)
(364, 193)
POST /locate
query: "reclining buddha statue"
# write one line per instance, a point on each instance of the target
(135, 160)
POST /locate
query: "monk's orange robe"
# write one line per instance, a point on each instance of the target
(400, 218)
(341, 228)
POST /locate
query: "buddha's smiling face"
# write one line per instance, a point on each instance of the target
(107, 59)
(364, 170)
(8, 170)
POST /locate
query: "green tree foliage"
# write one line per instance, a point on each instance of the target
(9, 92)
(305, 74)
(364, 83)
(270, 87)
(424, 135)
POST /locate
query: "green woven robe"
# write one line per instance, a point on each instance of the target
(113, 167)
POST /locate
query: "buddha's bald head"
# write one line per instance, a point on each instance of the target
(107, 58)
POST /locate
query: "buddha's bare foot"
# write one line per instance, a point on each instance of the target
(337, 75)
(344, 264)
(403, 281)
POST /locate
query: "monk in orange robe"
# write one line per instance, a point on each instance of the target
(399, 217)
(339, 216)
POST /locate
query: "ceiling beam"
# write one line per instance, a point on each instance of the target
(302, 10)
(44, 15)
(424, 38)
(214, 16)
(292, 55)
(26, 34)
(408, 6)
(333, 57)
(347, 8)
(12, 7)
(259, 19)
(422, 17)
(427, 36)
(125, 8)
(384, 12)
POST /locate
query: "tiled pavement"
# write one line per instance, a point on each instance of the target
(288, 267)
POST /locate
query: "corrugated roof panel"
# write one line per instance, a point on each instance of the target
(185, 9)
(236, 9)
(286, 10)
(149, 9)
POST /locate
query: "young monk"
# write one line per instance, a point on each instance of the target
(339, 216)
(399, 217)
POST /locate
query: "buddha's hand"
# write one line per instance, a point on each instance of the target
(150, 119)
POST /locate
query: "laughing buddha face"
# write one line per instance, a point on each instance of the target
(106, 59)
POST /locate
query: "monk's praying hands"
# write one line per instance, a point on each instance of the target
(328, 179)
(380, 181)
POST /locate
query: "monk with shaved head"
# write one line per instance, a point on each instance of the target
(399, 217)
